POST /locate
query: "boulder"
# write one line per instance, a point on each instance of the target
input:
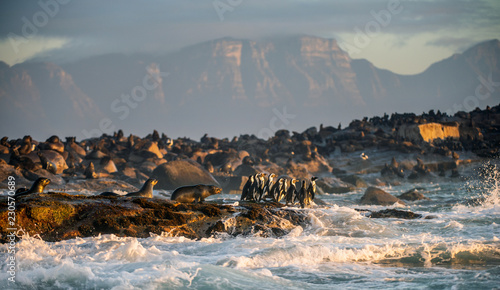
(245, 170)
(58, 216)
(413, 195)
(376, 196)
(54, 179)
(354, 180)
(232, 184)
(108, 166)
(95, 155)
(330, 188)
(184, 172)
(394, 213)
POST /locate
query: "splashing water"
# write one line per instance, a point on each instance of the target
(455, 245)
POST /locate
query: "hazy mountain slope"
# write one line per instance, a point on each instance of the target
(42, 99)
(230, 86)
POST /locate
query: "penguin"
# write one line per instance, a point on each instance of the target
(291, 194)
(279, 190)
(302, 195)
(37, 187)
(311, 189)
(266, 190)
(246, 188)
(254, 187)
(260, 186)
(275, 189)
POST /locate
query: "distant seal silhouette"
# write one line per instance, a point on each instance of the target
(194, 193)
(145, 191)
(37, 187)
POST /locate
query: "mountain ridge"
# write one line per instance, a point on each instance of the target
(233, 86)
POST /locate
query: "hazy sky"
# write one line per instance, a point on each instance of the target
(403, 36)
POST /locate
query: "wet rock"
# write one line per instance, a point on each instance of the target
(107, 165)
(330, 188)
(354, 180)
(54, 179)
(393, 170)
(231, 184)
(455, 173)
(245, 170)
(152, 147)
(394, 213)
(59, 216)
(413, 195)
(377, 196)
(72, 146)
(174, 174)
(53, 143)
(95, 155)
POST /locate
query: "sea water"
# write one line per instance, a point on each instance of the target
(456, 245)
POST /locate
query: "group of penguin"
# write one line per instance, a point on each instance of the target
(261, 186)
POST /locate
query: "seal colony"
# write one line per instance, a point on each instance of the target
(267, 175)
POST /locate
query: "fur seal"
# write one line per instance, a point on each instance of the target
(145, 191)
(194, 193)
(46, 164)
(37, 187)
(90, 172)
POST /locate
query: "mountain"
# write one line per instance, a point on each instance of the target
(42, 99)
(228, 86)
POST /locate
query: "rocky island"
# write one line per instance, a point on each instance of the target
(369, 153)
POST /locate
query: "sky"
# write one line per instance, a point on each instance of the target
(402, 36)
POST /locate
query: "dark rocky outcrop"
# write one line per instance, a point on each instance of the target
(376, 196)
(391, 213)
(413, 195)
(60, 216)
(354, 180)
(178, 173)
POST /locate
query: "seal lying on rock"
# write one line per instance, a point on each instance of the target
(145, 191)
(37, 187)
(194, 193)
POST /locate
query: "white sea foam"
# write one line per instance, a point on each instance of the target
(339, 248)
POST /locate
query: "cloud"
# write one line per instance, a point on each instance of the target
(97, 27)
